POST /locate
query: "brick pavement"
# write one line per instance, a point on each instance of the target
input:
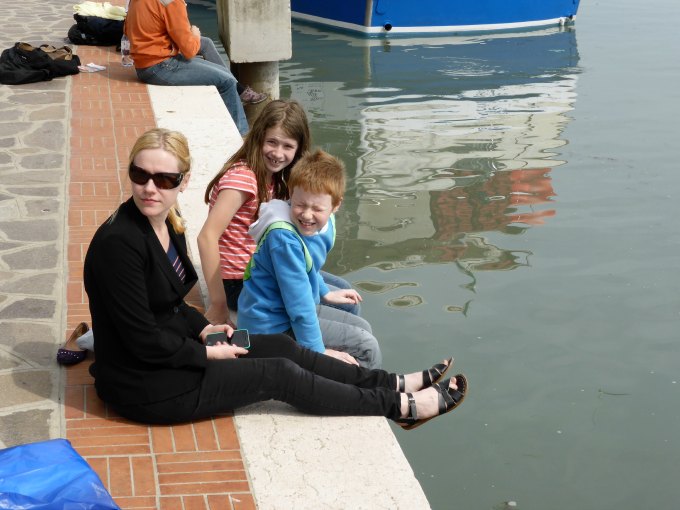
(193, 466)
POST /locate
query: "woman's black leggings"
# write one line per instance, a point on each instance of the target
(276, 367)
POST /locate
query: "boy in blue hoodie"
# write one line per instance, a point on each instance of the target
(282, 286)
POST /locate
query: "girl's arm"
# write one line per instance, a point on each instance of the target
(228, 202)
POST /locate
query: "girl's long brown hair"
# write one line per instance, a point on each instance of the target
(291, 118)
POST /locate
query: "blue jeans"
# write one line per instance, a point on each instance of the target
(209, 52)
(178, 70)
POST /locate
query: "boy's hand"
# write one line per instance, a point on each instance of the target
(342, 296)
(342, 356)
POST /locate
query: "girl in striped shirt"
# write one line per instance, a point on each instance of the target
(256, 173)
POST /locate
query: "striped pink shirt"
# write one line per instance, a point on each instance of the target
(235, 245)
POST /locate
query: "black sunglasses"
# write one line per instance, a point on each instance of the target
(162, 180)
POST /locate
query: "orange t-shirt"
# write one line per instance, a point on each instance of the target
(158, 30)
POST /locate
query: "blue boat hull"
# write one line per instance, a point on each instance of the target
(375, 17)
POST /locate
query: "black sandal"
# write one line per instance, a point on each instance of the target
(449, 399)
(430, 376)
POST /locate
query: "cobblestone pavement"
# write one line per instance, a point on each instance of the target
(33, 204)
(63, 148)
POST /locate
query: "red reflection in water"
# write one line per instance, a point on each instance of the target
(492, 205)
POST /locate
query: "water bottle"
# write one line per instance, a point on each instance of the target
(125, 57)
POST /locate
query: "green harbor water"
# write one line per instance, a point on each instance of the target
(513, 202)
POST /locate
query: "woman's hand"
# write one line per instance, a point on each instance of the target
(217, 328)
(223, 350)
(342, 296)
(342, 356)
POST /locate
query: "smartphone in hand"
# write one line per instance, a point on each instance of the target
(240, 338)
(213, 338)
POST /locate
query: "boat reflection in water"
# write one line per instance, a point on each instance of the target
(446, 140)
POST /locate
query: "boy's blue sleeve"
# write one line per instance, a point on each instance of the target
(319, 246)
(323, 288)
(288, 262)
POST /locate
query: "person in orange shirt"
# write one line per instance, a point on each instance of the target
(163, 45)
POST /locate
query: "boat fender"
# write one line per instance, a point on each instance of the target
(568, 20)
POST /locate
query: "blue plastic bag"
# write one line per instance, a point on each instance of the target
(50, 475)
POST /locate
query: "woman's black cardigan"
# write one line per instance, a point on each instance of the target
(145, 335)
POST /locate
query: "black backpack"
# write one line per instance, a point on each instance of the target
(95, 31)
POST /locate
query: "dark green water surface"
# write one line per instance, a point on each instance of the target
(513, 201)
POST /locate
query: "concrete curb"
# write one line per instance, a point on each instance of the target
(293, 460)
